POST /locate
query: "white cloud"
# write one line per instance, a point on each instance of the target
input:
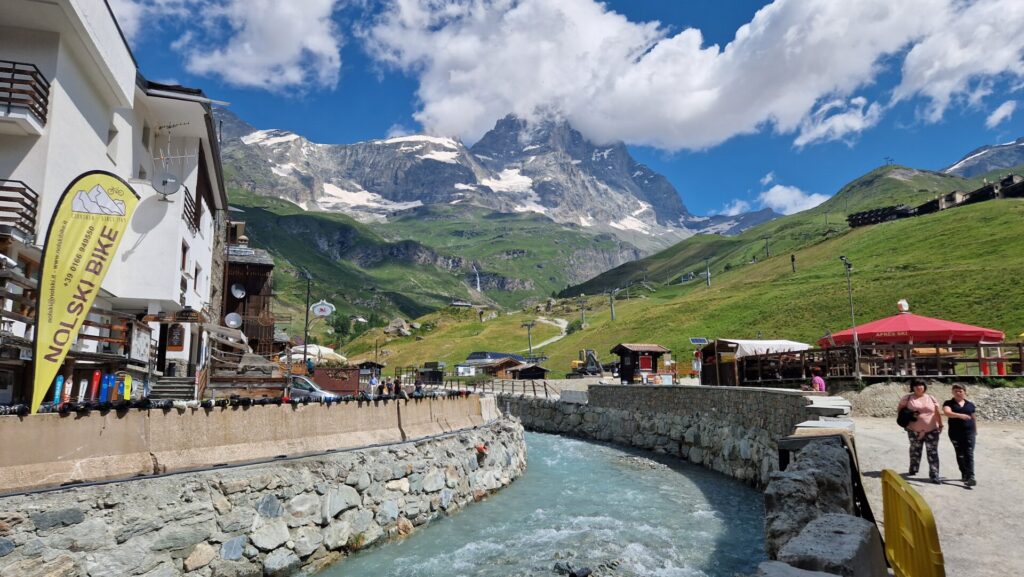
(264, 44)
(789, 199)
(735, 208)
(796, 68)
(836, 119)
(768, 178)
(1004, 112)
(396, 130)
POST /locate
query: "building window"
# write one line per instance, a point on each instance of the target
(195, 281)
(145, 136)
(184, 257)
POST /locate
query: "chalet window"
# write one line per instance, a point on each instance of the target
(195, 281)
(184, 257)
(145, 136)
(112, 142)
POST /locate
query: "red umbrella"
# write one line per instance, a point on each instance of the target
(911, 328)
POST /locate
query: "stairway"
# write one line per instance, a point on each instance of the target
(173, 388)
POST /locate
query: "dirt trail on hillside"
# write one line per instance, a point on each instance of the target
(562, 325)
(980, 529)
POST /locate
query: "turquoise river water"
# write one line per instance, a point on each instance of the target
(587, 504)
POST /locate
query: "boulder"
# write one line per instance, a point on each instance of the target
(270, 535)
(232, 549)
(837, 543)
(280, 562)
(201, 556)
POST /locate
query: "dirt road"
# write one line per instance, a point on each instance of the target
(981, 529)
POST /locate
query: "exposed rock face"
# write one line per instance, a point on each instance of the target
(269, 519)
(547, 168)
(989, 158)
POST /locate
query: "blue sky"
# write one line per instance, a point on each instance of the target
(811, 94)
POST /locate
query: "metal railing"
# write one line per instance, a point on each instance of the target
(18, 206)
(23, 86)
(530, 388)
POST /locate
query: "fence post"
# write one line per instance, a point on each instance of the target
(545, 389)
(534, 383)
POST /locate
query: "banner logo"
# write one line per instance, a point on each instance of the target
(86, 229)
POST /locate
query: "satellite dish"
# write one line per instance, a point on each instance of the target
(166, 183)
(233, 320)
(238, 290)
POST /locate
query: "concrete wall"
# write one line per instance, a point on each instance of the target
(730, 430)
(269, 519)
(52, 449)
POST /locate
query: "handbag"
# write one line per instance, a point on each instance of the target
(905, 417)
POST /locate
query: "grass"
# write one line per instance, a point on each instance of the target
(963, 264)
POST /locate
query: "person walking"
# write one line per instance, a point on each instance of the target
(310, 367)
(925, 430)
(962, 432)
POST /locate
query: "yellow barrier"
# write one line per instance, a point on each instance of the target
(911, 539)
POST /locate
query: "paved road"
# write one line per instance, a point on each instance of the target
(981, 529)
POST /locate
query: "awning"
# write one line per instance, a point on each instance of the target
(911, 328)
(749, 348)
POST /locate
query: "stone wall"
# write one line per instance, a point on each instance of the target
(730, 430)
(119, 444)
(268, 519)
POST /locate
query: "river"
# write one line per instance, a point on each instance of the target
(619, 512)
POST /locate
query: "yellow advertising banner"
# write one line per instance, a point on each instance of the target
(83, 237)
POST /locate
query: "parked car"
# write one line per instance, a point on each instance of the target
(304, 388)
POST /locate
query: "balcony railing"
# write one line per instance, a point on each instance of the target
(18, 204)
(23, 87)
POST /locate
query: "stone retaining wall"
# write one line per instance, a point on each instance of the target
(730, 430)
(268, 519)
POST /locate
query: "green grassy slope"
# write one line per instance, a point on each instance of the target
(963, 264)
(884, 186)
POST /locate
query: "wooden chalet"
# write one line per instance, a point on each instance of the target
(528, 372)
(637, 360)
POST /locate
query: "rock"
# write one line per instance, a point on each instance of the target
(44, 520)
(270, 536)
(231, 550)
(433, 481)
(136, 528)
(337, 535)
(88, 536)
(121, 561)
(270, 507)
(166, 569)
(62, 566)
(237, 520)
(280, 562)
(387, 513)
(179, 537)
(241, 568)
(837, 543)
(790, 503)
(201, 556)
(404, 526)
(303, 510)
(401, 485)
(359, 479)
(231, 486)
(6, 546)
(338, 500)
(307, 540)
(830, 465)
(221, 505)
(446, 498)
(779, 569)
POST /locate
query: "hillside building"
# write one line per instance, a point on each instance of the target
(76, 102)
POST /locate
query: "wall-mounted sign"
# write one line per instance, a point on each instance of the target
(85, 231)
(322, 309)
(176, 337)
(187, 316)
(699, 341)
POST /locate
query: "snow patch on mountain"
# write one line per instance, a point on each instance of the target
(509, 180)
(449, 156)
(337, 197)
(269, 137)
(417, 138)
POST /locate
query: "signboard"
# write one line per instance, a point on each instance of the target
(698, 341)
(141, 337)
(176, 338)
(322, 309)
(85, 231)
(187, 316)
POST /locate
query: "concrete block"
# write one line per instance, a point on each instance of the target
(840, 544)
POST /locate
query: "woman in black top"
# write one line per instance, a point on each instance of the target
(962, 431)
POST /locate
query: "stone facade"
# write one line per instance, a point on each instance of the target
(730, 430)
(268, 519)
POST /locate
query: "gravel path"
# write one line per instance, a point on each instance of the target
(981, 529)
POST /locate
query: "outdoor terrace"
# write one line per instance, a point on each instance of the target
(24, 98)
(18, 206)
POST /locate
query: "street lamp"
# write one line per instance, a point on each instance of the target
(529, 335)
(853, 319)
(305, 332)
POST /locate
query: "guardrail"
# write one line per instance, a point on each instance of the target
(530, 388)
(23, 86)
(18, 206)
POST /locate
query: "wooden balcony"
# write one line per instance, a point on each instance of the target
(18, 206)
(24, 96)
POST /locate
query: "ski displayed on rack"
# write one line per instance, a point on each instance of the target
(127, 387)
(94, 390)
(83, 385)
(58, 384)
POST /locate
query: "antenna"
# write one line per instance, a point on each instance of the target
(238, 290)
(166, 184)
(233, 320)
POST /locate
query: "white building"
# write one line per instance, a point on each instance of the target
(72, 100)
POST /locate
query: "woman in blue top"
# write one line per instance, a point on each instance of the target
(962, 431)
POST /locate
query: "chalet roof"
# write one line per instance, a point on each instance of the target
(639, 348)
(258, 256)
(500, 362)
(524, 366)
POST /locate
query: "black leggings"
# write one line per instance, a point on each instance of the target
(963, 445)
